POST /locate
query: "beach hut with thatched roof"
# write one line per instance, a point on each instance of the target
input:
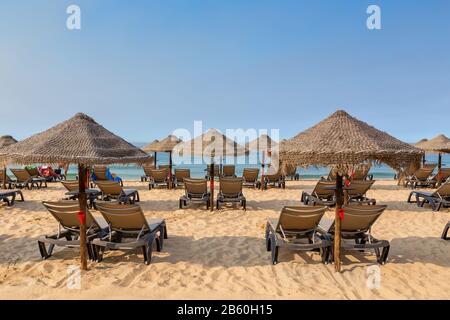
(265, 146)
(165, 145)
(345, 142)
(439, 144)
(78, 140)
(214, 145)
(6, 141)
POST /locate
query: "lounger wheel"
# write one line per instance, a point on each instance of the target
(181, 204)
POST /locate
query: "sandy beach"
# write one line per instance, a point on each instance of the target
(222, 254)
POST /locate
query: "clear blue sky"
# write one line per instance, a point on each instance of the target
(144, 68)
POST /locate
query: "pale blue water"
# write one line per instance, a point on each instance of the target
(133, 172)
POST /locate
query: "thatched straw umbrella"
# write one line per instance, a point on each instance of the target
(165, 145)
(214, 145)
(149, 148)
(6, 141)
(265, 145)
(439, 144)
(78, 140)
(345, 142)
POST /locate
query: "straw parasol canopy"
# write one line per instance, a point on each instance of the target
(439, 144)
(345, 142)
(78, 140)
(165, 145)
(6, 141)
(211, 144)
(151, 146)
(262, 143)
(267, 146)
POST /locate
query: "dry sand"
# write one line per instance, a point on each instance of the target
(222, 254)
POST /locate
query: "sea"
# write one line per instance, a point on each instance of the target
(134, 172)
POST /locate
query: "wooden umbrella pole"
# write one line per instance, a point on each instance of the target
(170, 170)
(337, 224)
(262, 172)
(4, 177)
(156, 167)
(439, 161)
(82, 199)
(211, 185)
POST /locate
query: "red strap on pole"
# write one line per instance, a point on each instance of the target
(347, 182)
(82, 217)
(341, 213)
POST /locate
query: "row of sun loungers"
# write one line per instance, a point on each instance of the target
(304, 229)
(125, 228)
(424, 177)
(323, 193)
(160, 177)
(23, 179)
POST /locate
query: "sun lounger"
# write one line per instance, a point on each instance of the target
(230, 191)
(66, 213)
(9, 196)
(322, 194)
(147, 172)
(180, 175)
(25, 180)
(34, 172)
(229, 171)
(158, 177)
(421, 177)
(275, 180)
(441, 177)
(208, 171)
(291, 172)
(72, 193)
(113, 190)
(331, 175)
(128, 228)
(250, 178)
(357, 192)
(196, 190)
(445, 232)
(9, 182)
(362, 174)
(437, 199)
(356, 234)
(101, 174)
(296, 230)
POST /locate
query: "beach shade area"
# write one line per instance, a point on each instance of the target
(165, 145)
(214, 146)
(345, 142)
(6, 141)
(265, 146)
(79, 140)
(439, 144)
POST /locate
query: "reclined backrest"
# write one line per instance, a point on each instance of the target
(299, 218)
